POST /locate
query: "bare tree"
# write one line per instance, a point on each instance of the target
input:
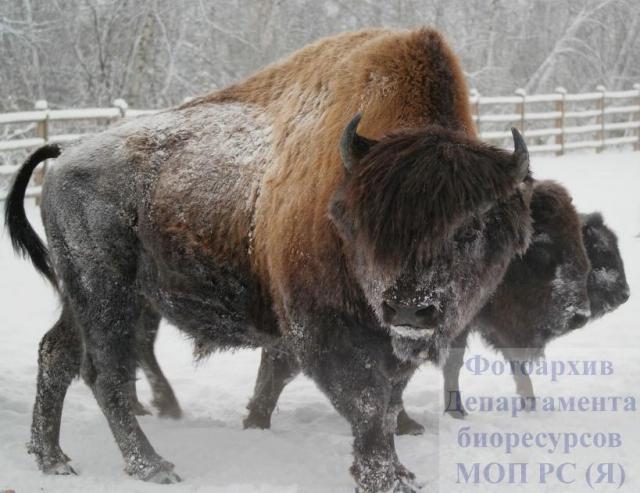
(156, 52)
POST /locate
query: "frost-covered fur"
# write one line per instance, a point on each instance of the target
(231, 217)
(607, 282)
(544, 293)
(558, 306)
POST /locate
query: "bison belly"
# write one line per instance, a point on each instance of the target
(216, 305)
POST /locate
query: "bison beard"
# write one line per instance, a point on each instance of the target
(234, 218)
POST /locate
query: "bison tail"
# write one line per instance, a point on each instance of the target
(24, 239)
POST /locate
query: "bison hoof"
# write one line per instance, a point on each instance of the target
(54, 462)
(157, 471)
(375, 474)
(406, 480)
(164, 477)
(169, 410)
(60, 469)
(459, 413)
(139, 410)
(403, 473)
(257, 421)
(404, 483)
(407, 425)
(529, 403)
(407, 486)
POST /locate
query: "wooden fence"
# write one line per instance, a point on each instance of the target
(550, 121)
(555, 122)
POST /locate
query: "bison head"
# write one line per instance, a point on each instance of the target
(431, 219)
(544, 292)
(607, 282)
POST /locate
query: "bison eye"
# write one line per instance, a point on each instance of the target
(608, 262)
(466, 236)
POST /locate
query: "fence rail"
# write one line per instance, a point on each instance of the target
(555, 122)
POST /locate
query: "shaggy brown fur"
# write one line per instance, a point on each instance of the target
(405, 78)
(395, 79)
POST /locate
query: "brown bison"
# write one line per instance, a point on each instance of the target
(259, 216)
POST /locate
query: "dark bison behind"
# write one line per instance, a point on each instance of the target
(246, 219)
(571, 274)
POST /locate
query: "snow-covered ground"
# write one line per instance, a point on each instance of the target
(308, 448)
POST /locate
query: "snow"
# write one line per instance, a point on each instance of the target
(308, 448)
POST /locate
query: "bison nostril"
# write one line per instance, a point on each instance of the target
(410, 315)
(388, 312)
(428, 315)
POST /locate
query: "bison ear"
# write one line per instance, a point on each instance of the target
(593, 219)
(521, 155)
(339, 217)
(354, 147)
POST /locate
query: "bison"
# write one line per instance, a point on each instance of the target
(542, 295)
(259, 216)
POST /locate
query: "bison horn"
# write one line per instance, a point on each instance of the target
(354, 147)
(521, 154)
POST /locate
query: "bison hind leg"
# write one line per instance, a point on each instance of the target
(107, 308)
(164, 399)
(59, 356)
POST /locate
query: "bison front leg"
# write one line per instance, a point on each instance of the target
(451, 372)
(394, 415)
(278, 366)
(524, 385)
(356, 377)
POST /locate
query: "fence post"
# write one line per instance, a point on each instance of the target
(42, 131)
(475, 108)
(42, 127)
(636, 146)
(520, 108)
(601, 118)
(122, 106)
(560, 120)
